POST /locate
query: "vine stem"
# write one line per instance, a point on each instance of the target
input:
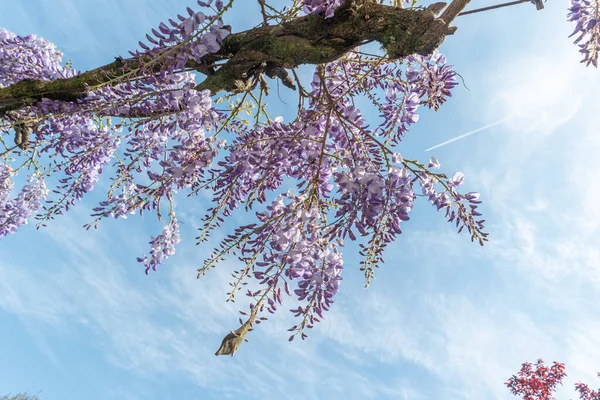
(538, 4)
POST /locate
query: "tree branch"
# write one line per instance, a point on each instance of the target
(453, 10)
(306, 40)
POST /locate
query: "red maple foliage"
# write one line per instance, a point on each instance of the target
(538, 382)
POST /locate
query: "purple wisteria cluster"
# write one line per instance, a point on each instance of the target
(161, 156)
(84, 149)
(15, 212)
(29, 57)
(191, 37)
(287, 246)
(349, 183)
(461, 215)
(431, 78)
(162, 125)
(585, 14)
(163, 245)
(157, 135)
(406, 85)
(325, 7)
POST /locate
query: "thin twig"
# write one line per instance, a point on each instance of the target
(263, 12)
(512, 3)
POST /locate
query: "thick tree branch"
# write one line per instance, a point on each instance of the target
(306, 40)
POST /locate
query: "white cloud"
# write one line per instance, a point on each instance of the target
(538, 185)
(539, 93)
(584, 352)
(470, 345)
(582, 170)
(169, 323)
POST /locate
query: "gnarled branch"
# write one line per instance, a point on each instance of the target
(307, 40)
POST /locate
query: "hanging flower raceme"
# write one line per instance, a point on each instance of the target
(432, 78)
(163, 245)
(190, 38)
(164, 125)
(406, 84)
(6, 184)
(585, 14)
(348, 182)
(290, 245)
(16, 212)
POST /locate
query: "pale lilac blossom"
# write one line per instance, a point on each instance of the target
(163, 245)
(171, 139)
(585, 14)
(434, 163)
(6, 184)
(16, 212)
(29, 57)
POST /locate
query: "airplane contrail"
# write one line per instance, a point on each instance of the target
(464, 135)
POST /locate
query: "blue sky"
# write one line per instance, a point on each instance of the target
(444, 318)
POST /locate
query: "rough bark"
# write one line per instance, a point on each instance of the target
(272, 49)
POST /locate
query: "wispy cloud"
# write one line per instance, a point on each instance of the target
(443, 320)
(170, 323)
(468, 344)
(539, 90)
